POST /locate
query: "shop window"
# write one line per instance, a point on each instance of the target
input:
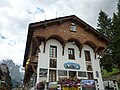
(62, 73)
(43, 72)
(53, 63)
(82, 74)
(71, 54)
(87, 56)
(53, 51)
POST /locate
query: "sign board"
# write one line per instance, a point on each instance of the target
(53, 85)
(71, 65)
(88, 84)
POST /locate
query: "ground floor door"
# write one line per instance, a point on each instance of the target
(52, 75)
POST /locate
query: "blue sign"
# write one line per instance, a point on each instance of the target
(53, 85)
(71, 65)
(88, 84)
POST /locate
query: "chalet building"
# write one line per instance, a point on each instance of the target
(61, 48)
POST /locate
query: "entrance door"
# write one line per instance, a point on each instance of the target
(72, 74)
(52, 75)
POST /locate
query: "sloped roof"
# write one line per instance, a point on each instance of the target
(71, 17)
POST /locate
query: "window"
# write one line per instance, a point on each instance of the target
(53, 51)
(71, 53)
(53, 63)
(73, 27)
(52, 75)
(89, 66)
(97, 74)
(87, 56)
(90, 75)
(33, 79)
(72, 74)
(43, 72)
(82, 74)
(62, 73)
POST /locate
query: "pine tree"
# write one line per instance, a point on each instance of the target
(104, 24)
(104, 27)
(111, 29)
(116, 36)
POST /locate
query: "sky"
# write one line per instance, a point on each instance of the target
(16, 15)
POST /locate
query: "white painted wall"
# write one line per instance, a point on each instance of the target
(44, 58)
(95, 65)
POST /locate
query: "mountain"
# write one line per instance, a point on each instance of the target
(15, 72)
(5, 79)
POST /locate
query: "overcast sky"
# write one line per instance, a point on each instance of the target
(15, 16)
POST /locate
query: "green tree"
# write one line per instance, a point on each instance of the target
(111, 29)
(104, 27)
(104, 24)
(116, 36)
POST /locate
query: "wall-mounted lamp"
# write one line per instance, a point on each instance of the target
(73, 43)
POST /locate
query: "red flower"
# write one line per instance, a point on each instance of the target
(70, 81)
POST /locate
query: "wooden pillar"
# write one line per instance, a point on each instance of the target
(80, 49)
(63, 47)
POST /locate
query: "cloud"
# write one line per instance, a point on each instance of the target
(13, 29)
(39, 10)
(84, 9)
(4, 3)
(15, 16)
(2, 37)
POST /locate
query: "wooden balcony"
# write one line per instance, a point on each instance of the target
(34, 60)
